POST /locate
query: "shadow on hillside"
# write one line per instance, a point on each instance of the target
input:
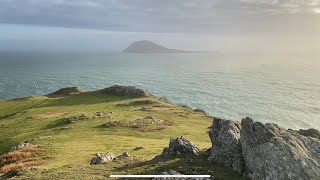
(87, 98)
(6, 144)
(57, 123)
(188, 165)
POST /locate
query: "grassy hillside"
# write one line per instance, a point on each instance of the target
(64, 149)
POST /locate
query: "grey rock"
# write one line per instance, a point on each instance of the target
(172, 172)
(271, 152)
(226, 147)
(21, 146)
(180, 146)
(123, 155)
(310, 132)
(202, 111)
(128, 91)
(101, 158)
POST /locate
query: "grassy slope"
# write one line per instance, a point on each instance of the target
(72, 146)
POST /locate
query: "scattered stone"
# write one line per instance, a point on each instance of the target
(138, 148)
(101, 158)
(172, 172)
(41, 137)
(67, 92)
(21, 145)
(103, 114)
(74, 119)
(124, 155)
(164, 99)
(180, 146)
(226, 147)
(146, 124)
(145, 108)
(202, 111)
(107, 157)
(129, 91)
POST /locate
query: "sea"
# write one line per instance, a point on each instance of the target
(282, 89)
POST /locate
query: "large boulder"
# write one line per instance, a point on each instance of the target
(180, 146)
(101, 158)
(226, 148)
(271, 152)
(129, 91)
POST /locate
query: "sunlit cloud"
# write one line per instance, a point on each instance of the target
(316, 10)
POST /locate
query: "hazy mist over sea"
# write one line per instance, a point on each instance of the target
(266, 60)
(279, 89)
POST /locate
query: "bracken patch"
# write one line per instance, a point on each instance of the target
(20, 159)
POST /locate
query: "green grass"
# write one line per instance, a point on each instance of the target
(72, 146)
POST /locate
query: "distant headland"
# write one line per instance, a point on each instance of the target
(150, 47)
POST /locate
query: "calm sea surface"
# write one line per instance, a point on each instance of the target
(280, 89)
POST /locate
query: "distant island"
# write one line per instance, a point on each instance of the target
(150, 47)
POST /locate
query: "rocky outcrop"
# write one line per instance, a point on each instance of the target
(310, 132)
(101, 158)
(67, 92)
(271, 152)
(201, 111)
(226, 150)
(129, 91)
(268, 151)
(180, 146)
(21, 145)
(107, 157)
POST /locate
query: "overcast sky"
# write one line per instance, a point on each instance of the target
(197, 24)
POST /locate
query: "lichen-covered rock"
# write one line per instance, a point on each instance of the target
(101, 158)
(226, 148)
(128, 91)
(271, 152)
(180, 146)
(123, 155)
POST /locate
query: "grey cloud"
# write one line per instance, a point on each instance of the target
(151, 15)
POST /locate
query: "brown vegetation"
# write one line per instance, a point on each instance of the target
(20, 159)
(49, 115)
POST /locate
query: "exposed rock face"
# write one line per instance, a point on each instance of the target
(271, 152)
(101, 158)
(226, 150)
(67, 91)
(129, 91)
(268, 151)
(179, 146)
(123, 155)
(310, 132)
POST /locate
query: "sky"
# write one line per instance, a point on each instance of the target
(111, 25)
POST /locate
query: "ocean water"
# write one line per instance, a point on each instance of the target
(279, 89)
